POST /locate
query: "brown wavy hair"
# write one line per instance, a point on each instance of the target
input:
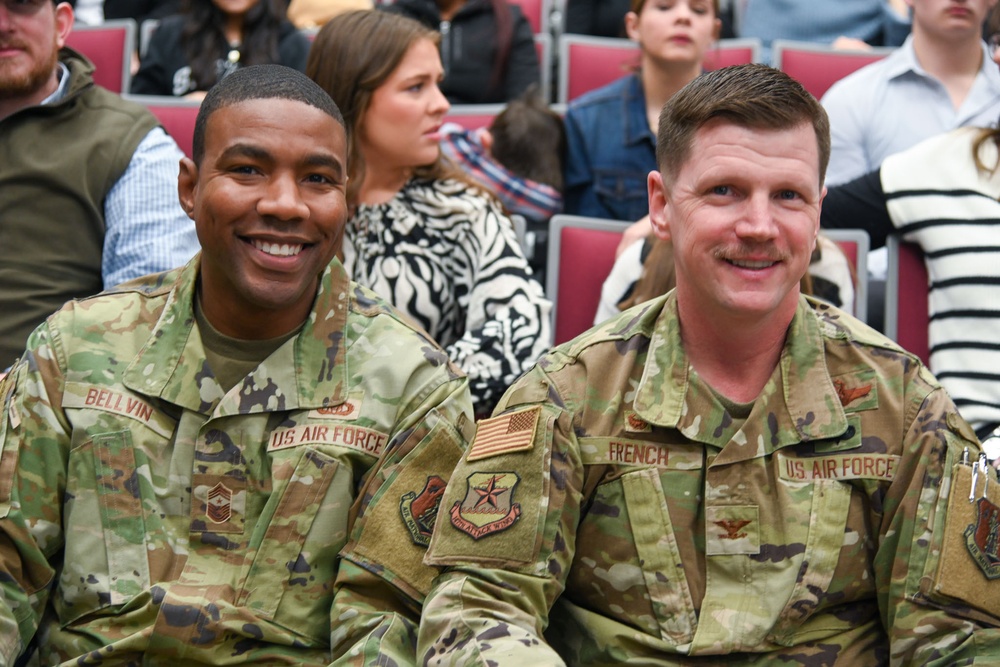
(353, 54)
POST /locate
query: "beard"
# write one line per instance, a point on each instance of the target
(17, 82)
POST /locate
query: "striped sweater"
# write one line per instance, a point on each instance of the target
(934, 196)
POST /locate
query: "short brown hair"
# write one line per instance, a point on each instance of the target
(754, 96)
(529, 139)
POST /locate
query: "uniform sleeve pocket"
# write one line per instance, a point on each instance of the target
(395, 528)
(968, 569)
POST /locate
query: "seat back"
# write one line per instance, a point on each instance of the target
(907, 287)
(543, 47)
(728, 52)
(581, 254)
(819, 66)
(474, 116)
(110, 47)
(855, 243)
(177, 115)
(586, 62)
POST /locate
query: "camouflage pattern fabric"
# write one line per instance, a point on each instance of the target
(650, 527)
(148, 518)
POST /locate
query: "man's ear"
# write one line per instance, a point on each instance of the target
(64, 23)
(819, 214)
(187, 185)
(658, 200)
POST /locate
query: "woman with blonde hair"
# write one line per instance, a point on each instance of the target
(421, 233)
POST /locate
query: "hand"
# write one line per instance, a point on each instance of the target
(850, 44)
(637, 230)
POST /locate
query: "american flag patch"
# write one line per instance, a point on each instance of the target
(512, 432)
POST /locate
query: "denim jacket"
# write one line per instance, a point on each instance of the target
(611, 151)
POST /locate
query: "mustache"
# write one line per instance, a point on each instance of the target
(757, 251)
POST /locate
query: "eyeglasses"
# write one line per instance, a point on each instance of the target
(24, 7)
(994, 43)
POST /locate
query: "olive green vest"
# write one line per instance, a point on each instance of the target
(57, 164)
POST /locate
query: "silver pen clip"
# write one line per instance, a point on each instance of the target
(985, 467)
(975, 478)
(965, 456)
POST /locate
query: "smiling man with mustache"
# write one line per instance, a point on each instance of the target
(732, 473)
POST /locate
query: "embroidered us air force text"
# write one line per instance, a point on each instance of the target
(846, 466)
(359, 438)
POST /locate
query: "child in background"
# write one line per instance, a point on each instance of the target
(519, 157)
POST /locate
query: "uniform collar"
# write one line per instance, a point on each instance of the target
(671, 395)
(308, 371)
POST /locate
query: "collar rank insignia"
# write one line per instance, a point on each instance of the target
(983, 538)
(636, 424)
(420, 510)
(220, 503)
(848, 395)
(488, 506)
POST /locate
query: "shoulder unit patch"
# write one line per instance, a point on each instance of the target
(419, 510)
(488, 506)
(982, 538)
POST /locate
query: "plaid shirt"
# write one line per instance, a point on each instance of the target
(535, 201)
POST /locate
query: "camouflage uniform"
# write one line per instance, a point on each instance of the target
(148, 518)
(614, 504)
